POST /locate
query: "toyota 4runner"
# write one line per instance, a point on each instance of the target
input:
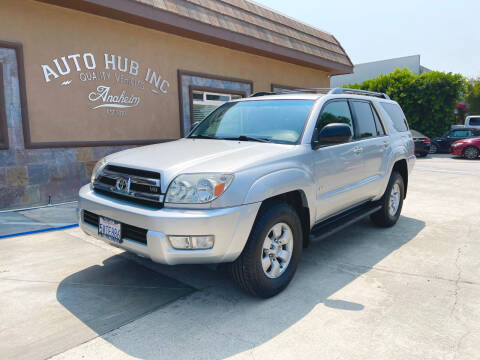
(255, 182)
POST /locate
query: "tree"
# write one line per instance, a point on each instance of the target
(472, 96)
(428, 100)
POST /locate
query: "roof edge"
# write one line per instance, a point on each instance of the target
(158, 19)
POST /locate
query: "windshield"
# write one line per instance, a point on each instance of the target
(278, 121)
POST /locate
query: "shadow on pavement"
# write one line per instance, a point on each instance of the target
(220, 320)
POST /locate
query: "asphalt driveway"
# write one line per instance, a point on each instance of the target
(409, 292)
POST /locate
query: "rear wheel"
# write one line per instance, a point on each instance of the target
(471, 152)
(392, 202)
(270, 257)
(433, 148)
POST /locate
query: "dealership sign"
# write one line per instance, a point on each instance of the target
(118, 83)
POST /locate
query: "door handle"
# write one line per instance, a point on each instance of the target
(357, 149)
(385, 144)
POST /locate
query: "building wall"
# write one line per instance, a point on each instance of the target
(366, 71)
(59, 129)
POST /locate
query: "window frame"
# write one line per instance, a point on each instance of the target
(4, 141)
(357, 121)
(312, 141)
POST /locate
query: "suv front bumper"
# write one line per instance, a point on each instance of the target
(229, 226)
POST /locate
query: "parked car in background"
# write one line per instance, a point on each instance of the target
(467, 148)
(422, 143)
(472, 121)
(442, 144)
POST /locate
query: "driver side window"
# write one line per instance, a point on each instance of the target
(336, 111)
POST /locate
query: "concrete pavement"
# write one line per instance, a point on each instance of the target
(409, 292)
(42, 218)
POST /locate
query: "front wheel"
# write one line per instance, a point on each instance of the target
(433, 148)
(270, 257)
(471, 152)
(392, 202)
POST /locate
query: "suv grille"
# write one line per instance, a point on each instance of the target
(135, 185)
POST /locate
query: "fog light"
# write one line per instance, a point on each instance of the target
(192, 242)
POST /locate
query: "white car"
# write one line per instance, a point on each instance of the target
(255, 182)
(472, 121)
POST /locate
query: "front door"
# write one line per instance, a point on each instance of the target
(337, 168)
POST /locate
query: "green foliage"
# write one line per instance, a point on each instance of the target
(428, 100)
(473, 96)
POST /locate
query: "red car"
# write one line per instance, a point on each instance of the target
(468, 148)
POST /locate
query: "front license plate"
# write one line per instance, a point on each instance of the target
(110, 229)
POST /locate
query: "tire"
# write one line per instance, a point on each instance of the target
(422, 155)
(470, 152)
(433, 148)
(388, 216)
(248, 271)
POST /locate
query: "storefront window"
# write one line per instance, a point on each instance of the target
(205, 102)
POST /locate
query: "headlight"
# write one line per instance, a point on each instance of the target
(457, 144)
(197, 188)
(98, 166)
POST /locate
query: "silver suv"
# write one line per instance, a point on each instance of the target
(255, 182)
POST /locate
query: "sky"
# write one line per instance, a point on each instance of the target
(445, 33)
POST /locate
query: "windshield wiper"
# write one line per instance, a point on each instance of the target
(200, 136)
(248, 138)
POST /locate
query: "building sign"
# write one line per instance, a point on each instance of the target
(116, 82)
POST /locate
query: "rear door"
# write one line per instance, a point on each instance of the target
(337, 168)
(370, 137)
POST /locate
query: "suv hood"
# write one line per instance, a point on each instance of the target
(199, 155)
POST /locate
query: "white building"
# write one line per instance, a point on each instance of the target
(370, 70)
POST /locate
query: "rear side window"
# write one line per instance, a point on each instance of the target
(475, 121)
(366, 124)
(396, 114)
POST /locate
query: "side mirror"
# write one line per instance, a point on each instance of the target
(333, 134)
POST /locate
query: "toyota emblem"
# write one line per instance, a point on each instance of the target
(123, 185)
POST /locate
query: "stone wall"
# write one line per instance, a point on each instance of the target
(30, 177)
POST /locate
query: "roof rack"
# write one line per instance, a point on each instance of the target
(263, 93)
(324, 91)
(359, 92)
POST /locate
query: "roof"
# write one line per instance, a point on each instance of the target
(237, 24)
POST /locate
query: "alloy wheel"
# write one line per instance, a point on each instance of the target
(277, 250)
(394, 201)
(471, 153)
